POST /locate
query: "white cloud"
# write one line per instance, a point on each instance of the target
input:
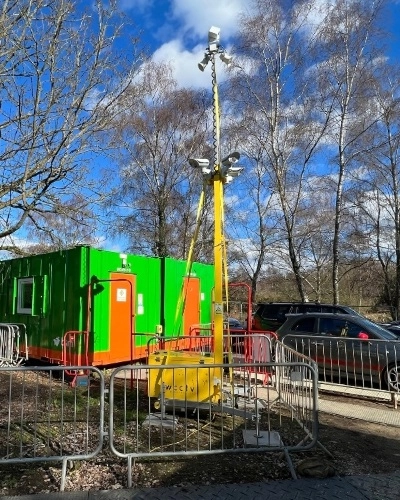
(197, 16)
(184, 65)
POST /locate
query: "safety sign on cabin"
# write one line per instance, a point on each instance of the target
(121, 295)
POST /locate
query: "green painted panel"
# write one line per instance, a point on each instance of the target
(175, 271)
(56, 299)
(146, 295)
(72, 292)
(206, 274)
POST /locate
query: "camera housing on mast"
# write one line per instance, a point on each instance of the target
(213, 38)
(227, 169)
(232, 173)
(202, 64)
(204, 165)
(213, 49)
(226, 58)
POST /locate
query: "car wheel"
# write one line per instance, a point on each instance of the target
(392, 377)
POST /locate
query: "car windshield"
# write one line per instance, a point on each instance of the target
(378, 330)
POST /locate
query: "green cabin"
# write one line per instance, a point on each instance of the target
(85, 306)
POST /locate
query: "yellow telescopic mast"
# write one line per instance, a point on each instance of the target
(222, 172)
(219, 241)
(197, 383)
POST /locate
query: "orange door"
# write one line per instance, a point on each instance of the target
(122, 310)
(191, 312)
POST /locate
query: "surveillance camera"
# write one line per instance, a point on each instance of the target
(235, 171)
(204, 62)
(199, 162)
(231, 158)
(232, 173)
(213, 34)
(226, 58)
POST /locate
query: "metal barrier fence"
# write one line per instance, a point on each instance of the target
(43, 418)
(172, 414)
(362, 363)
(163, 409)
(296, 387)
(239, 346)
(10, 336)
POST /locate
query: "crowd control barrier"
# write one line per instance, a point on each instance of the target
(181, 405)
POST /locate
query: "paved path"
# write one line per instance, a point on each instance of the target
(374, 487)
(383, 416)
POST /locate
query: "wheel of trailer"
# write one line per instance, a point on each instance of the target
(392, 377)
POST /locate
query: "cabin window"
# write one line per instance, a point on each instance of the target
(25, 296)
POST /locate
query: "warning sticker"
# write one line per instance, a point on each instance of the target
(121, 294)
(218, 308)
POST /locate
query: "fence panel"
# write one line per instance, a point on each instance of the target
(10, 337)
(253, 351)
(196, 407)
(360, 363)
(297, 386)
(181, 411)
(44, 418)
(240, 347)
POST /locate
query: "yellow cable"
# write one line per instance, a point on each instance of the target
(180, 306)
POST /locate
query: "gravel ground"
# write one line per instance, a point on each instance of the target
(357, 447)
(354, 446)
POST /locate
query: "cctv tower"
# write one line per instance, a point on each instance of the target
(199, 382)
(221, 173)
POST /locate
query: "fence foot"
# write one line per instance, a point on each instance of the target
(63, 474)
(318, 443)
(290, 464)
(130, 471)
(325, 449)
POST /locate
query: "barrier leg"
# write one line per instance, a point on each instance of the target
(63, 473)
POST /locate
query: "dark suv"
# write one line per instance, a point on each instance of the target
(271, 315)
(346, 348)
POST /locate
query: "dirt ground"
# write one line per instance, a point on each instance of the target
(356, 447)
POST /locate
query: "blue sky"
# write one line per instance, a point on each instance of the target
(176, 30)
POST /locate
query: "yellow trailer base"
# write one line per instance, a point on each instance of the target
(197, 381)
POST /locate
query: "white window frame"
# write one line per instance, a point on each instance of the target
(20, 295)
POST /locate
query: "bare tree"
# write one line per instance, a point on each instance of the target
(162, 127)
(387, 168)
(379, 184)
(51, 231)
(315, 222)
(250, 231)
(272, 94)
(345, 72)
(59, 79)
